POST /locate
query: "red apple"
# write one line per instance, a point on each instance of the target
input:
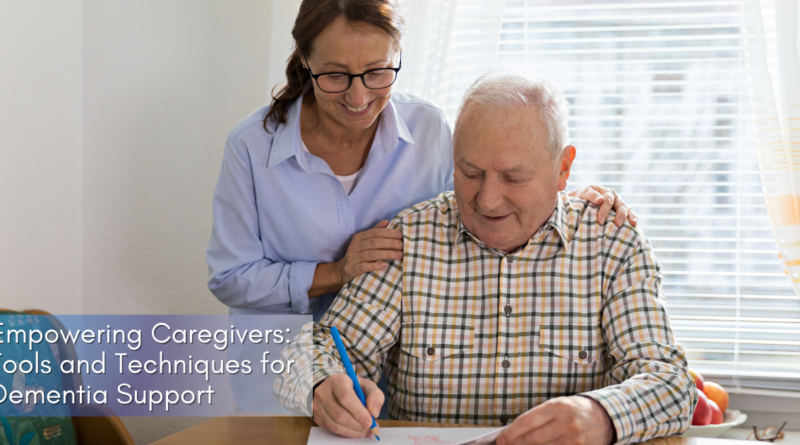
(717, 393)
(698, 379)
(716, 413)
(702, 412)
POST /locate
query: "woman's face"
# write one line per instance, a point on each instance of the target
(352, 48)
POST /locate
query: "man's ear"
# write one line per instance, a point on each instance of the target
(567, 156)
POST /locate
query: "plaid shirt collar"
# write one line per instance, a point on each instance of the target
(557, 222)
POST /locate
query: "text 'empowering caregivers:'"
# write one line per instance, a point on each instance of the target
(162, 364)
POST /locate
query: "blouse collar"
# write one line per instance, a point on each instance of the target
(287, 141)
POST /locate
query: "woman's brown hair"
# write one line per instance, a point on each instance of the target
(316, 15)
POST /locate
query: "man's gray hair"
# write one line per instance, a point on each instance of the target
(502, 89)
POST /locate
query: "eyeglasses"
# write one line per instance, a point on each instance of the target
(376, 79)
(770, 434)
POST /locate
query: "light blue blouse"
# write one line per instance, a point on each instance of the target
(279, 210)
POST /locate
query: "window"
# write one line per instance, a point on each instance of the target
(659, 111)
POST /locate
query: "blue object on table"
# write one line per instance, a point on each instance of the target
(348, 367)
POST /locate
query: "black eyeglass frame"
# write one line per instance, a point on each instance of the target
(350, 77)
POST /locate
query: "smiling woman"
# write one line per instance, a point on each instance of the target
(308, 183)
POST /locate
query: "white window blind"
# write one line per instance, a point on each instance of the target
(659, 112)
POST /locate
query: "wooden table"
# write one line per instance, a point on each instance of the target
(295, 430)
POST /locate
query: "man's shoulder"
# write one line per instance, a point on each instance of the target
(439, 209)
(580, 219)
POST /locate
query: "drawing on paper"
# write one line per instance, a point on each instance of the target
(410, 436)
(427, 440)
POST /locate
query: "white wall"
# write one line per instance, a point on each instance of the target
(113, 117)
(164, 82)
(281, 41)
(40, 155)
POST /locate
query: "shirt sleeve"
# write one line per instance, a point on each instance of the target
(647, 391)
(239, 274)
(367, 313)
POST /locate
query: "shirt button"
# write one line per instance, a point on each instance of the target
(431, 351)
(583, 355)
(506, 364)
(510, 259)
(507, 310)
(503, 418)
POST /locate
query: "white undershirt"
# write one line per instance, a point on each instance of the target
(348, 182)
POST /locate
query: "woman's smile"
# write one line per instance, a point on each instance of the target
(357, 111)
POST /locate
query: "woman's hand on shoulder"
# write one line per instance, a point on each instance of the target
(607, 199)
(369, 250)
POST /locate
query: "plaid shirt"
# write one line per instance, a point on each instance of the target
(470, 334)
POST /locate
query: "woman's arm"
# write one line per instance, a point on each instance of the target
(239, 274)
(368, 252)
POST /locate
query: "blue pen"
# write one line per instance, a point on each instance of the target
(352, 374)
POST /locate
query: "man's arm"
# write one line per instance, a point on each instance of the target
(648, 390)
(367, 314)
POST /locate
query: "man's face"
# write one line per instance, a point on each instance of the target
(506, 180)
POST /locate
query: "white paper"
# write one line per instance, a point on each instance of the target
(412, 436)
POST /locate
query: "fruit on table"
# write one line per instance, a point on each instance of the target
(716, 413)
(717, 393)
(702, 412)
(698, 379)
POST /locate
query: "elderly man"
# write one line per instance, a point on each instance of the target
(511, 303)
